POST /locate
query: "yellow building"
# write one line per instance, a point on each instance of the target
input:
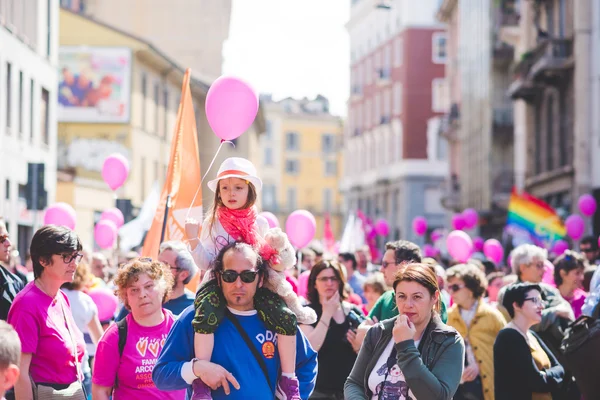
(299, 160)
(139, 125)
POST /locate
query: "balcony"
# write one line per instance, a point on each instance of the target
(502, 120)
(551, 60)
(508, 19)
(451, 194)
(384, 76)
(384, 120)
(450, 123)
(522, 87)
(503, 180)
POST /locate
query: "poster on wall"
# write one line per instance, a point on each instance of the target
(94, 84)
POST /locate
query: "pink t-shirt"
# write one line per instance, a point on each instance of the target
(577, 301)
(134, 367)
(40, 322)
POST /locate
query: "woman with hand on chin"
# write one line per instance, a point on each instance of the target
(414, 355)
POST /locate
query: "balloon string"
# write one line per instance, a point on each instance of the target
(205, 174)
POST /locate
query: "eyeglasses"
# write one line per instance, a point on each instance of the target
(385, 264)
(538, 265)
(68, 258)
(324, 279)
(230, 276)
(536, 301)
(588, 250)
(4, 238)
(455, 288)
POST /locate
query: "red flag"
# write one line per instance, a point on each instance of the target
(328, 234)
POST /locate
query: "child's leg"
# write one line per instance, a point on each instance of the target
(287, 354)
(203, 345)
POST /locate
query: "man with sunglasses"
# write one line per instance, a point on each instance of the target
(10, 284)
(244, 362)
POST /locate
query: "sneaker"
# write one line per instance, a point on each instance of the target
(288, 388)
(200, 391)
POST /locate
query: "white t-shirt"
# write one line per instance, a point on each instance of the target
(83, 309)
(395, 386)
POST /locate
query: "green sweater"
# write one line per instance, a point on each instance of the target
(385, 308)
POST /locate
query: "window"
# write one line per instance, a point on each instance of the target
(292, 167)
(292, 141)
(31, 105)
(166, 111)
(8, 94)
(21, 103)
(144, 93)
(327, 200)
(439, 95)
(269, 129)
(330, 168)
(7, 190)
(328, 143)
(398, 48)
(156, 102)
(439, 48)
(44, 116)
(291, 199)
(268, 156)
(268, 197)
(397, 98)
(50, 6)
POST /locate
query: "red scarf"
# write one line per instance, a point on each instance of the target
(241, 225)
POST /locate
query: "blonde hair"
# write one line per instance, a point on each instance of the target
(156, 270)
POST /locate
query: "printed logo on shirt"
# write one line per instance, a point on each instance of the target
(268, 350)
(393, 384)
(268, 340)
(148, 349)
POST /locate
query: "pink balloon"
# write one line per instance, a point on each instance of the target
(548, 276)
(458, 222)
(587, 205)
(419, 225)
(436, 235)
(429, 250)
(271, 219)
(231, 106)
(106, 302)
(575, 226)
(559, 247)
(115, 215)
(470, 217)
(382, 227)
(61, 214)
(115, 170)
(493, 250)
(478, 243)
(300, 228)
(460, 245)
(105, 234)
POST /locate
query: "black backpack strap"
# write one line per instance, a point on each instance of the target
(122, 327)
(259, 359)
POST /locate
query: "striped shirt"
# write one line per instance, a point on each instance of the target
(10, 285)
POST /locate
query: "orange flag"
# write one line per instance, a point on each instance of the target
(182, 181)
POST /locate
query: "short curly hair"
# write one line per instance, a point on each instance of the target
(129, 273)
(471, 275)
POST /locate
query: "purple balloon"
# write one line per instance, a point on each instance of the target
(493, 250)
(559, 247)
(478, 243)
(587, 205)
(271, 219)
(61, 214)
(300, 228)
(115, 215)
(115, 170)
(105, 234)
(106, 302)
(460, 245)
(575, 226)
(458, 222)
(419, 225)
(470, 217)
(231, 106)
(382, 227)
(436, 235)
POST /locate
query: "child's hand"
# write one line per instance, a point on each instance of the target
(192, 228)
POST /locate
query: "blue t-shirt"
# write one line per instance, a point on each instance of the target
(176, 306)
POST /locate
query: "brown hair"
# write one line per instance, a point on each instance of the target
(376, 282)
(471, 275)
(217, 202)
(83, 278)
(129, 273)
(423, 275)
(313, 295)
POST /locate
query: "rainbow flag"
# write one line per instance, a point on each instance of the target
(530, 216)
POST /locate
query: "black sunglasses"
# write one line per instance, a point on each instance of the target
(231, 276)
(455, 288)
(4, 238)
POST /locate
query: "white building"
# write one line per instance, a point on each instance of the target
(28, 93)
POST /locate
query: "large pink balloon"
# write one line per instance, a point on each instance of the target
(458, 222)
(419, 225)
(587, 205)
(493, 250)
(300, 228)
(115, 170)
(60, 214)
(559, 247)
(470, 217)
(105, 234)
(106, 302)
(115, 215)
(478, 243)
(382, 227)
(575, 226)
(460, 245)
(231, 106)
(271, 219)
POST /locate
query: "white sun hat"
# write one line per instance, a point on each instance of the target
(236, 167)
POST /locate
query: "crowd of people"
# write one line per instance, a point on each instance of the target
(261, 324)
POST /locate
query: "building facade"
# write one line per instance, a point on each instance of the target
(28, 93)
(397, 85)
(479, 121)
(299, 160)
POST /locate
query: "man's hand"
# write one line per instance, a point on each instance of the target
(214, 376)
